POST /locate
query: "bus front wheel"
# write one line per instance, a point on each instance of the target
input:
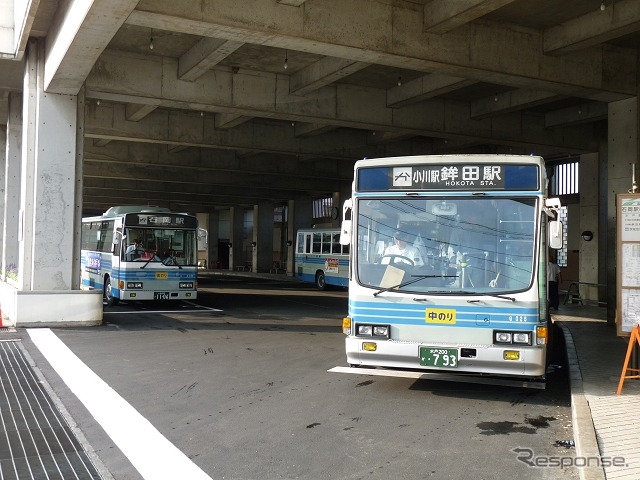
(108, 293)
(321, 281)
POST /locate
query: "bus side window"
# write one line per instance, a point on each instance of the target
(116, 245)
(307, 243)
(317, 243)
(326, 243)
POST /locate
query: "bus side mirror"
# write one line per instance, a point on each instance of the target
(555, 234)
(345, 229)
(345, 232)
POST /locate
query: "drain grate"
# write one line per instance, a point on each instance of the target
(35, 439)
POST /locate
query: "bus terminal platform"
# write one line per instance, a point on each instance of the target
(605, 430)
(605, 426)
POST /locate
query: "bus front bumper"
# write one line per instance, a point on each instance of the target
(132, 295)
(478, 359)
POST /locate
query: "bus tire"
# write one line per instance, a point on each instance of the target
(321, 281)
(108, 295)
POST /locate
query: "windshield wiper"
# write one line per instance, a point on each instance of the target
(416, 278)
(173, 264)
(504, 297)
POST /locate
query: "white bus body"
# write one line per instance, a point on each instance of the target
(475, 301)
(164, 268)
(320, 258)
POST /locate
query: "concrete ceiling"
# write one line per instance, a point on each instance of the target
(237, 105)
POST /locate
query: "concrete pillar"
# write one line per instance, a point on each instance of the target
(207, 246)
(303, 217)
(622, 147)
(291, 237)
(48, 229)
(11, 198)
(262, 237)
(589, 200)
(3, 171)
(337, 209)
(48, 184)
(236, 252)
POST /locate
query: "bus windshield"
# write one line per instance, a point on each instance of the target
(445, 246)
(167, 245)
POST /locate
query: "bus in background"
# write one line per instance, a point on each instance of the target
(464, 288)
(320, 258)
(140, 253)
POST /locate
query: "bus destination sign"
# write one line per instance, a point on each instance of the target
(449, 177)
(452, 177)
(161, 220)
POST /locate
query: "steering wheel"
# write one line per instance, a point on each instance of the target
(393, 257)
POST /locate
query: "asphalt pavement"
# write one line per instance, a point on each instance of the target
(605, 432)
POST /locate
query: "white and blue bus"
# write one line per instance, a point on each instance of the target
(140, 253)
(320, 258)
(473, 300)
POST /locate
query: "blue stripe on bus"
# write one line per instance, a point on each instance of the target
(329, 280)
(321, 261)
(522, 318)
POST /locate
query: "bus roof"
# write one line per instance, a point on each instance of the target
(450, 158)
(122, 209)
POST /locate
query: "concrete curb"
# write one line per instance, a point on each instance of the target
(583, 429)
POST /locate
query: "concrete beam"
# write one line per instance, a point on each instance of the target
(293, 3)
(100, 142)
(577, 115)
(133, 78)
(510, 101)
(101, 190)
(15, 27)
(311, 129)
(136, 112)
(12, 75)
(376, 138)
(442, 17)
(391, 34)
(176, 148)
(619, 18)
(321, 73)
(78, 34)
(424, 88)
(224, 121)
(155, 159)
(191, 178)
(203, 55)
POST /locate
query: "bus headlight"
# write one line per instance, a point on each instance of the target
(370, 330)
(364, 330)
(185, 284)
(511, 337)
(502, 337)
(381, 331)
(522, 337)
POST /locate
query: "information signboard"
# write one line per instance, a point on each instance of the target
(628, 262)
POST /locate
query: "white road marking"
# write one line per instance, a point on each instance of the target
(196, 309)
(155, 457)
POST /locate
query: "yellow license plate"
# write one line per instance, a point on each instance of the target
(446, 316)
(162, 275)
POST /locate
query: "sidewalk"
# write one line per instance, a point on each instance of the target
(604, 423)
